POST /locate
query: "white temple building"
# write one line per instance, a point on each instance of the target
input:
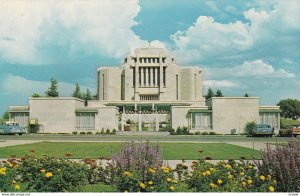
(149, 92)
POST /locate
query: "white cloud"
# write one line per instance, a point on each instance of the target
(210, 39)
(270, 33)
(20, 86)
(219, 84)
(36, 32)
(254, 69)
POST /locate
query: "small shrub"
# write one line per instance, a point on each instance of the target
(114, 131)
(250, 127)
(74, 132)
(197, 133)
(102, 131)
(233, 131)
(172, 132)
(212, 133)
(89, 133)
(126, 128)
(49, 174)
(204, 133)
(82, 133)
(98, 133)
(231, 176)
(107, 131)
(128, 121)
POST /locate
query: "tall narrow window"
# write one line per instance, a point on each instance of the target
(122, 87)
(164, 76)
(103, 86)
(133, 74)
(176, 87)
(195, 84)
(140, 77)
(158, 76)
(145, 60)
(140, 60)
(153, 76)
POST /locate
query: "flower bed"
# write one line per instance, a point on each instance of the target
(140, 168)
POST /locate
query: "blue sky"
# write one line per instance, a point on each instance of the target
(250, 46)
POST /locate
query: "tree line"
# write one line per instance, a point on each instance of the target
(53, 91)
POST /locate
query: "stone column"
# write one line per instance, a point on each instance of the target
(157, 121)
(150, 76)
(140, 122)
(142, 76)
(122, 120)
(155, 76)
(147, 76)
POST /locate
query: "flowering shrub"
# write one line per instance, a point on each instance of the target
(231, 176)
(9, 181)
(50, 174)
(137, 157)
(283, 164)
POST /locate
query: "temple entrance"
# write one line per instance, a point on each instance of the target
(144, 119)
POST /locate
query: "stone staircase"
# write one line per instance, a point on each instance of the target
(142, 133)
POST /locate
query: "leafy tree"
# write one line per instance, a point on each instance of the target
(87, 95)
(290, 108)
(210, 94)
(246, 95)
(35, 95)
(52, 90)
(6, 115)
(77, 92)
(219, 93)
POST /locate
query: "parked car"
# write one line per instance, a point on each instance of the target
(264, 130)
(11, 128)
(292, 130)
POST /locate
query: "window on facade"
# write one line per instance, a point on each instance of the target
(122, 87)
(153, 76)
(176, 87)
(133, 78)
(201, 121)
(134, 59)
(164, 76)
(163, 60)
(103, 87)
(158, 76)
(149, 76)
(144, 76)
(140, 59)
(140, 77)
(20, 117)
(270, 118)
(85, 120)
(145, 60)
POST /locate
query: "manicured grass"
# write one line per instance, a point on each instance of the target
(171, 151)
(290, 122)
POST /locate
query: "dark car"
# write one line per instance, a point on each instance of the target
(263, 130)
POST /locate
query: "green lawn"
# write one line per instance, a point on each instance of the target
(171, 151)
(290, 122)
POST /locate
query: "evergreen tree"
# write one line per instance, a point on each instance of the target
(77, 92)
(219, 93)
(6, 115)
(246, 95)
(52, 90)
(87, 95)
(210, 94)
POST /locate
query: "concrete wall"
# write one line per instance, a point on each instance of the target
(56, 115)
(109, 87)
(107, 118)
(233, 113)
(179, 116)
